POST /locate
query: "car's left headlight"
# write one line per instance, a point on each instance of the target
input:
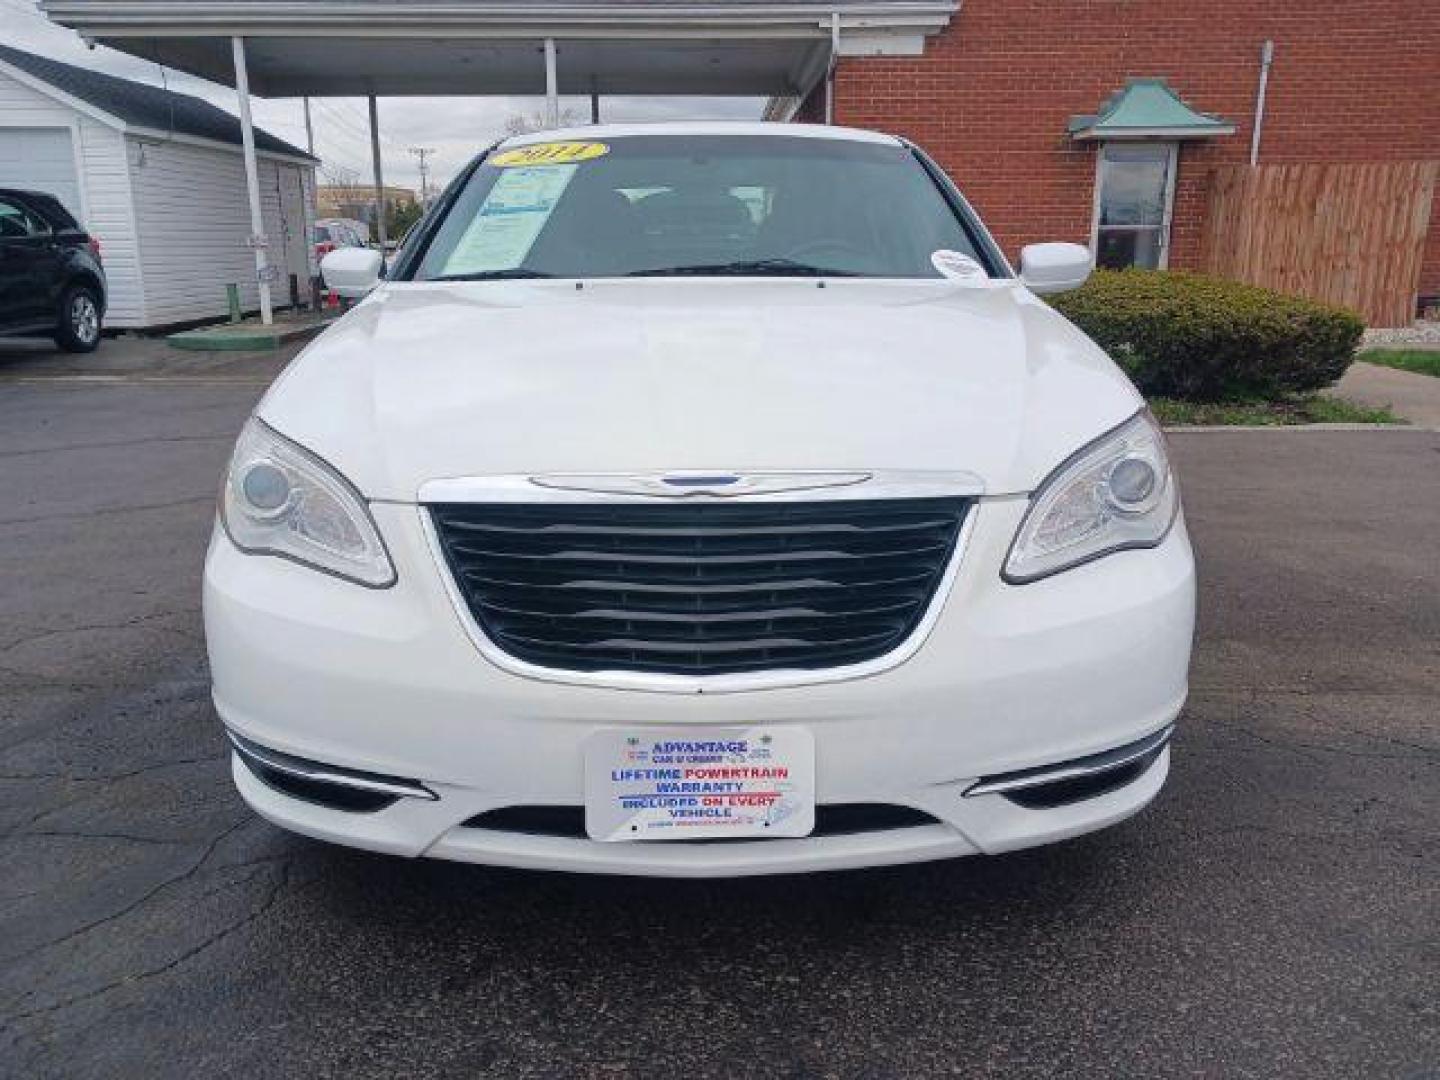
(280, 499)
(1116, 493)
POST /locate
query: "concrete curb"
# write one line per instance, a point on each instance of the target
(245, 338)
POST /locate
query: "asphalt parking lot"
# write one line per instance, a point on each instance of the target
(1274, 914)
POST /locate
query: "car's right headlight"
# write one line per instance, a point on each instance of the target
(280, 499)
(1114, 494)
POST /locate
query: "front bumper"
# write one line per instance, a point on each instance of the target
(1010, 678)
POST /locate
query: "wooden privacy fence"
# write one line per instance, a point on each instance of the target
(1346, 234)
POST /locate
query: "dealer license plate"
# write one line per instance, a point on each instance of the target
(684, 784)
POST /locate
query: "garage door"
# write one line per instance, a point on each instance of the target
(40, 159)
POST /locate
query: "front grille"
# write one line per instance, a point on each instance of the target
(699, 588)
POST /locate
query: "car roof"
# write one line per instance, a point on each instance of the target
(47, 204)
(594, 132)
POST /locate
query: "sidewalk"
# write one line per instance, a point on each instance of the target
(1414, 398)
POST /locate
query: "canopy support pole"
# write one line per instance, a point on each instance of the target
(830, 67)
(252, 180)
(379, 174)
(552, 86)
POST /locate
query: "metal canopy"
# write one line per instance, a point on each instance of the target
(355, 67)
(394, 48)
(1148, 109)
(389, 48)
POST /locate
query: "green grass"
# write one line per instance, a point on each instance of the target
(1420, 361)
(1307, 409)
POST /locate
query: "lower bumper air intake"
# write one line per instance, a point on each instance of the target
(1049, 786)
(325, 785)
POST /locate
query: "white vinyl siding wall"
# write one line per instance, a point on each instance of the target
(104, 190)
(194, 219)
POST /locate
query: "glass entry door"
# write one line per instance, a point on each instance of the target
(1135, 189)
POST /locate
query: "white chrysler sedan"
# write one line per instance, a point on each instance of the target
(695, 483)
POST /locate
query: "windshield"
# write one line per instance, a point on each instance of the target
(659, 205)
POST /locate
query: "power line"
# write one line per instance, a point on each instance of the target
(364, 123)
(339, 121)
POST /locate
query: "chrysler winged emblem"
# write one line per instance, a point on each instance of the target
(686, 484)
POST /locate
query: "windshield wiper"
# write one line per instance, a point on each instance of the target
(513, 274)
(746, 268)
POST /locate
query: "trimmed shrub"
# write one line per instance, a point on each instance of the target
(1208, 339)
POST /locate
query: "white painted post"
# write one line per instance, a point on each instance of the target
(379, 175)
(830, 67)
(1267, 57)
(552, 86)
(252, 181)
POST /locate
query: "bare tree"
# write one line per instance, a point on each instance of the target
(343, 179)
(524, 123)
(344, 195)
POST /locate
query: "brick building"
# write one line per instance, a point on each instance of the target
(997, 90)
(992, 95)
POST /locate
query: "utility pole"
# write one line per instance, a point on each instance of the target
(309, 130)
(380, 226)
(422, 152)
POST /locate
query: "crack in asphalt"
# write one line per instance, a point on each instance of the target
(144, 440)
(192, 689)
(137, 508)
(140, 901)
(23, 829)
(1326, 837)
(41, 814)
(1313, 750)
(271, 898)
(100, 778)
(1255, 693)
(110, 776)
(80, 834)
(138, 620)
(28, 680)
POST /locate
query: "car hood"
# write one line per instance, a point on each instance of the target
(435, 381)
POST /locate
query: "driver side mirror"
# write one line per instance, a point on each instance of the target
(1054, 268)
(351, 271)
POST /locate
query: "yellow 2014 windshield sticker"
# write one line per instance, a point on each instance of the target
(550, 153)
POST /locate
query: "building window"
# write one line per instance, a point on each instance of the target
(1134, 193)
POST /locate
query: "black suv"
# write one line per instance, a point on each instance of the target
(51, 280)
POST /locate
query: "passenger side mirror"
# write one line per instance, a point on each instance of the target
(1054, 268)
(352, 272)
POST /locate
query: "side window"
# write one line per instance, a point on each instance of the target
(18, 223)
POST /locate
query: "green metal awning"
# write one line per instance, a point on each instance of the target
(1148, 109)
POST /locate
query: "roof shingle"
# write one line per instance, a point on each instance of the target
(143, 105)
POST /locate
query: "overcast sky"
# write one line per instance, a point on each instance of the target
(455, 128)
